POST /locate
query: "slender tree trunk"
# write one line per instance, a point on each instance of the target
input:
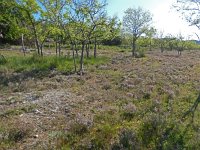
(34, 32)
(74, 59)
(36, 39)
(161, 48)
(41, 49)
(23, 47)
(38, 46)
(179, 52)
(133, 46)
(150, 45)
(59, 48)
(82, 57)
(75, 47)
(95, 47)
(56, 48)
(88, 50)
(30, 44)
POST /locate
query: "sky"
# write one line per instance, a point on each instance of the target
(165, 18)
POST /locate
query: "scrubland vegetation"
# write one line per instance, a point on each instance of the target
(73, 78)
(120, 102)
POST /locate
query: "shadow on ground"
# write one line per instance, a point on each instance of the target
(19, 77)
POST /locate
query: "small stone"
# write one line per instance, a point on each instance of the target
(35, 136)
(67, 110)
(131, 95)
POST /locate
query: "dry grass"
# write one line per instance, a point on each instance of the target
(123, 97)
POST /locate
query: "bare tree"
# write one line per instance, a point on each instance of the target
(190, 9)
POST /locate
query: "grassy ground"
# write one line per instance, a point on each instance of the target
(119, 103)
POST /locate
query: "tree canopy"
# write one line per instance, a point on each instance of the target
(136, 21)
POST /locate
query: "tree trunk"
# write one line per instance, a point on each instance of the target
(82, 56)
(161, 48)
(36, 38)
(59, 48)
(23, 47)
(150, 45)
(133, 46)
(75, 47)
(74, 59)
(41, 49)
(95, 47)
(56, 48)
(38, 46)
(34, 32)
(88, 50)
(179, 52)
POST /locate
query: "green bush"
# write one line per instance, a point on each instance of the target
(127, 140)
(2, 60)
(157, 133)
(140, 54)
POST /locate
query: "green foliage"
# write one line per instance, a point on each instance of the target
(10, 19)
(18, 111)
(157, 133)
(135, 23)
(96, 61)
(79, 129)
(140, 53)
(2, 60)
(102, 136)
(20, 64)
(35, 62)
(127, 140)
(12, 134)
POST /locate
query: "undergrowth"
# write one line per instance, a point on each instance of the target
(28, 63)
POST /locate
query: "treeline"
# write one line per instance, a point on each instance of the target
(81, 23)
(72, 22)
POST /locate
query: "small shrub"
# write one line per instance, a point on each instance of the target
(96, 144)
(147, 96)
(127, 140)
(106, 87)
(103, 137)
(140, 54)
(16, 135)
(129, 111)
(157, 133)
(2, 60)
(79, 128)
